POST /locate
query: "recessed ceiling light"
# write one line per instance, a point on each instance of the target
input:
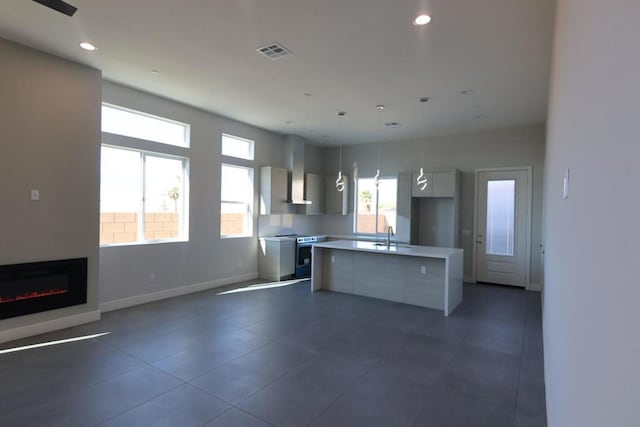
(422, 20)
(393, 125)
(379, 107)
(88, 46)
(424, 99)
(341, 113)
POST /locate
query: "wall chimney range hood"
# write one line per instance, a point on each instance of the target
(294, 159)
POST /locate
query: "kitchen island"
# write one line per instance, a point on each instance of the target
(419, 275)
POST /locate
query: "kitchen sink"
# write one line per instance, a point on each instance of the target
(393, 245)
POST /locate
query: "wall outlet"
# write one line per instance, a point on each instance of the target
(35, 195)
(333, 259)
(423, 269)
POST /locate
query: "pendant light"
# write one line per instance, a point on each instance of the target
(422, 180)
(376, 179)
(340, 180)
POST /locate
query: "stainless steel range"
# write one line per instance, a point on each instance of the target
(303, 254)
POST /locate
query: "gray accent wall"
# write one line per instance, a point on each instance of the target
(519, 146)
(592, 249)
(49, 141)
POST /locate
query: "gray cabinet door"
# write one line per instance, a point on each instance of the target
(444, 184)
(314, 192)
(274, 184)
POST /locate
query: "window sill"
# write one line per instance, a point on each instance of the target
(151, 242)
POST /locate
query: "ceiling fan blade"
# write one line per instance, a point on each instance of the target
(59, 6)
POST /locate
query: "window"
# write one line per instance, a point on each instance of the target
(235, 146)
(376, 205)
(143, 194)
(122, 121)
(142, 197)
(501, 207)
(236, 187)
(236, 201)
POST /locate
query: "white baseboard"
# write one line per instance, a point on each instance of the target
(535, 287)
(468, 279)
(49, 326)
(173, 292)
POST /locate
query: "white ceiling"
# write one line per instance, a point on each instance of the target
(350, 55)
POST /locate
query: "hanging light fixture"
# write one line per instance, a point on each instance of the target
(340, 180)
(376, 179)
(422, 180)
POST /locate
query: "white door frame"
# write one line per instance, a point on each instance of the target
(527, 266)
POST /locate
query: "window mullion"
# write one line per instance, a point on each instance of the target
(142, 209)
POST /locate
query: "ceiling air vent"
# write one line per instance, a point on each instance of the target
(273, 51)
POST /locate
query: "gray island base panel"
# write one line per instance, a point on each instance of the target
(418, 275)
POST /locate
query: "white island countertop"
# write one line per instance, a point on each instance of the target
(420, 275)
(395, 249)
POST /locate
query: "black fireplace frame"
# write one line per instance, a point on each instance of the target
(75, 268)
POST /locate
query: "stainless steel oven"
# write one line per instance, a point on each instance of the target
(303, 254)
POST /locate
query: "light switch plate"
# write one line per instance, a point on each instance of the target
(565, 185)
(35, 195)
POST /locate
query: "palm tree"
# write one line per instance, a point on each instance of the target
(174, 194)
(366, 198)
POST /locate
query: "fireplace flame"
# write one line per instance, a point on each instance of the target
(34, 294)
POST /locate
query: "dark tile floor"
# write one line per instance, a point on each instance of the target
(284, 356)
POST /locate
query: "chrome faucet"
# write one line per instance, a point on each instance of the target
(389, 234)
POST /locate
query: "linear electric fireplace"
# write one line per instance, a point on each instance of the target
(41, 286)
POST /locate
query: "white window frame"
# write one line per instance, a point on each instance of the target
(249, 203)
(185, 126)
(147, 148)
(252, 145)
(356, 203)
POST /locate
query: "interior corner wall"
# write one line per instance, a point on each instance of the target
(205, 258)
(592, 291)
(518, 146)
(49, 141)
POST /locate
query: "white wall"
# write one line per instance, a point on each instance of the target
(125, 270)
(592, 291)
(205, 258)
(49, 140)
(522, 146)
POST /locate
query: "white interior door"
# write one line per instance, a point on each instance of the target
(502, 222)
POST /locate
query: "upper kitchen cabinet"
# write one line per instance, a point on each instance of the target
(441, 183)
(314, 191)
(429, 217)
(404, 208)
(274, 184)
(336, 202)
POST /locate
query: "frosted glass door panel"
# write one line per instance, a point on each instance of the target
(500, 217)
